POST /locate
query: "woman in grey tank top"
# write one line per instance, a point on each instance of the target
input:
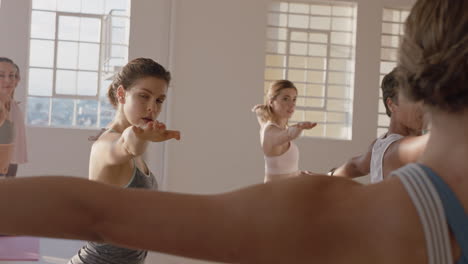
(137, 93)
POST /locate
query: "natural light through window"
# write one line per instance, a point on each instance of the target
(392, 32)
(75, 48)
(313, 45)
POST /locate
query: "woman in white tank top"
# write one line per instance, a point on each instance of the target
(276, 137)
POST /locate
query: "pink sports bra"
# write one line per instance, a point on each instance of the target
(286, 163)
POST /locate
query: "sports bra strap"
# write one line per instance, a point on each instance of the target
(454, 212)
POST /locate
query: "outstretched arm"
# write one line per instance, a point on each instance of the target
(132, 142)
(274, 136)
(297, 220)
(356, 166)
(226, 227)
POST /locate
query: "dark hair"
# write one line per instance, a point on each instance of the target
(10, 61)
(264, 111)
(7, 60)
(434, 54)
(134, 70)
(17, 70)
(390, 87)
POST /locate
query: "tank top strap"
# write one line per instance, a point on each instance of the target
(430, 211)
(112, 130)
(454, 212)
(269, 123)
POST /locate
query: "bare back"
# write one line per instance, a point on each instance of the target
(352, 226)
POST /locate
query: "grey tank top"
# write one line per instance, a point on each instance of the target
(101, 253)
(378, 151)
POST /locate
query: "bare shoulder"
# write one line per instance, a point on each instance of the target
(271, 128)
(317, 216)
(406, 150)
(105, 140)
(272, 139)
(392, 223)
(412, 140)
(103, 166)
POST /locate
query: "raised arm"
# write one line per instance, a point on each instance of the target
(236, 227)
(356, 166)
(275, 136)
(298, 220)
(117, 148)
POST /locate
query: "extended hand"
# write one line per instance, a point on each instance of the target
(156, 132)
(306, 125)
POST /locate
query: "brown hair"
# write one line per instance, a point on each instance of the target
(434, 54)
(10, 61)
(134, 70)
(390, 87)
(130, 73)
(7, 60)
(17, 75)
(264, 111)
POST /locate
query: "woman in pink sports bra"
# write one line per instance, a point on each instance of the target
(276, 137)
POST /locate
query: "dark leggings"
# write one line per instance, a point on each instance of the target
(12, 169)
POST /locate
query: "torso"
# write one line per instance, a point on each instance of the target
(132, 174)
(364, 224)
(283, 161)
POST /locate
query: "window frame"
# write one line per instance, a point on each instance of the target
(98, 100)
(349, 61)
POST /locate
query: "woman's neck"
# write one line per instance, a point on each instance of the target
(120, 123)
(447, 149)
(282, 122)
(398, 128)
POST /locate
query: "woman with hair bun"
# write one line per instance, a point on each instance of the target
(276, 137)
(137, 92)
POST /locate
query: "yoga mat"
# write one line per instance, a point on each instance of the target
(19, 248)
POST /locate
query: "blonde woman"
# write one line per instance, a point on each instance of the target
(276, 137)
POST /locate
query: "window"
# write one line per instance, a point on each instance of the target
(75, 48)
(313, 45)
(392, 32)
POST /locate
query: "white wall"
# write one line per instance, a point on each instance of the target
(62, 151)
(215, 50)
(218, 67)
